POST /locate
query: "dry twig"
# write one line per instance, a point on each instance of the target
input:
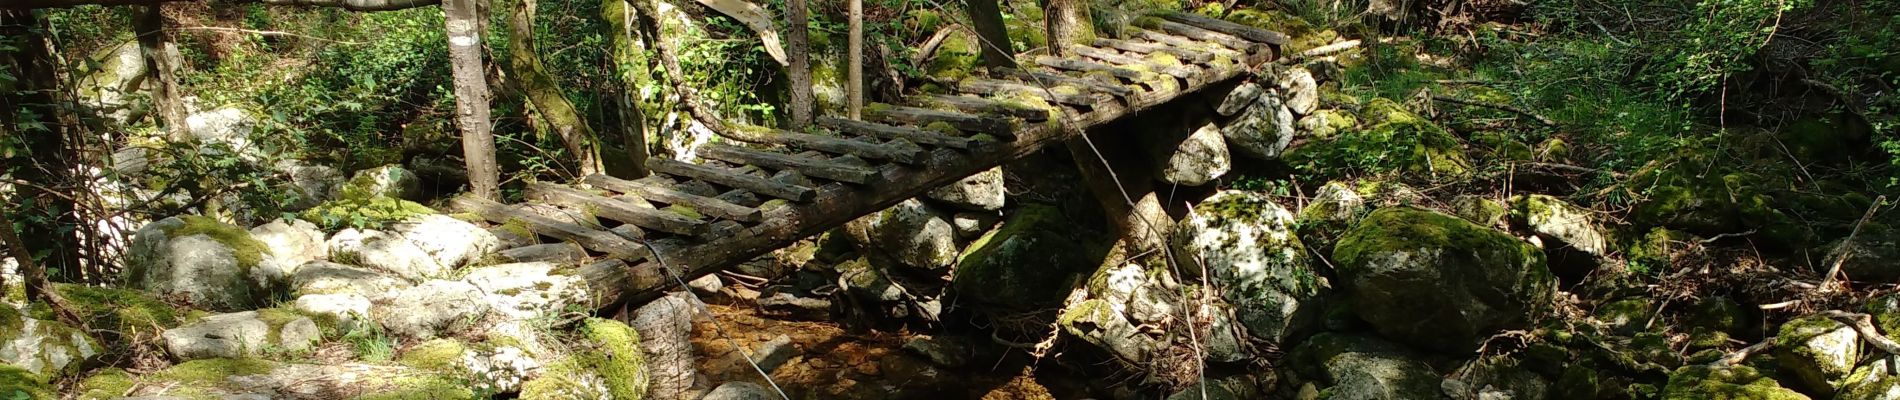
(1848, 242)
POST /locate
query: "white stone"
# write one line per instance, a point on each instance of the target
(425, 311)
(1246, 242)
(1262, 130)
(240, 334)
(389, 181)
(970, 225)
(323, 277)
(911, 233)
(527, 290)
(981, 192)
(384, 251)
(46, 348)
(312, 183)
(1201, 158)
(227, 126)
(345, 309)
(293, 243)
(451, 242)
(1302, 91)
(201, 269)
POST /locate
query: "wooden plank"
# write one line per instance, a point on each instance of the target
(704, 205)
(1058, 94)
(1227, 27)
(1090, 84)
(1192, 32)
(809, 166)
(593, 239)
(914, 135)
(1187, 55)
(834, 145)
(1185, 43)
(617, 210)
(715, 175)
(1124, 61)
(558, 253)
(1088, 66)
(924, 116)
(980, 105)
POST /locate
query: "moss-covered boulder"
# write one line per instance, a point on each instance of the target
(1869, 257)
(123, 317)
(1560, 222)
(911, 233)
(611, 365)
(1627, 316)
(1263, 128)
(1246, 242)
(1684, 196)
(18, 383)
(1480, 210)
(1324, 124)
(1392, 140)
(1197, 160)
(431, 308)
(391, 181)
(1659, 250)
(496, 366)
(211, 264)
(46, 348)
(1336, 206)
(104, 384)
(1440, 281)
(1013, 267)
(243, 334)
(220, 378)
(1817, 351)
(1876, 380)
(1364, 367)
(363, 212)
(1703, 382)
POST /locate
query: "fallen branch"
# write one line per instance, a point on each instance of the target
(929, 49)
(1739, 355)
(1327, 49)
(1864, 324)
(1540, 119)
(1846, 244)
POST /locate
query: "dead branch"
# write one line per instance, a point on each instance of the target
(1864, 324)
(1739, 355)
(1540, 119)
(1323, 51)
(1846, 244)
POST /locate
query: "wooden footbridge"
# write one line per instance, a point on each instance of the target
(746, 201)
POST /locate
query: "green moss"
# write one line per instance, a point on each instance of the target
(17, 383)
(1657, 250)
(1703, 382)
(957, 57)
(567, 378)
(406, 387)
(991, 270)
(1553, 150)
(373, 212)
(246, 249)
(1479, 210)
(620, 360)
(443, 355)
(1396, 141)
(213, 372)
(105, 383)
(1627, 315)
(1409, 228)
(129, 312)
(685, 211)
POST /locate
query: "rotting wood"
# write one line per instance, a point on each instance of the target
(1088, 66)
(602, 206)
(834, 145)
(924, 116)
(559, 253)
(740, 181)
(1046, 78)
(704, 205)
(914, 135)
(1864, 325)
(1204, 35)
(812, 167)
(979, 105)
(1098, 53)
(1187, 55)
(1057, 94)
(1231, 28)
(593, 239)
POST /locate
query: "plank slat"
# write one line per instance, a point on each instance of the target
(1124, 61)
(593, 239)
(1088, 66)
(834, 145)
(714, 175)
(1188, 55)
(979, 105)
(924, 116)
(1059, 94)
(617, 210)
(1227, 27)
(1197, 33)
(914, 135)
(702, 204)
(1186, 43)
(809, 166)
(1090, 84)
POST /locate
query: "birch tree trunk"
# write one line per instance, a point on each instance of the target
(525, 65)
(471, 97)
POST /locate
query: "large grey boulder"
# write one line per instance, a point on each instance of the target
(425, 311)
(910, 233)
(1560, 222)
(1817, 352)
(1302, 91)
(740, 391)
(211, 264)
(981, 192)
(1199, 159)
(389, 181)
(112, 87)
(1262, 130)
(323, 277)
(312, 183)
(384, 251)
(451, 242)
(1012, 268)
(293, 243)
(242, 334)
(1357, 367)
(1725, 382)
(231, 127)
(1439, 281)
(1246, 242)
(342, 311)
(1876, 380)
(527, 290)
(1869, 257)
(46, 348)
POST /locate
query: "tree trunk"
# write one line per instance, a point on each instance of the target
(156, 43)
(1067, 22)
(31, 113)
(471, 97)
(525, 65)
(986, 16)
(854, 60)
(798, 53)
(626, 53)
(650, 28)
(33, 276)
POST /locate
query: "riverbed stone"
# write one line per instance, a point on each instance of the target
(341, 311)
(293, 242)
(528, 290)
(385, 251)
(1356, 367)
(44, 348)
(210, 264)
(1302, 91)
(1247, 243)
(451, 242)
(324, 277)
(1438, 281)
(242, 334)
(981, 192)
(1262, 130)
(1199, 159)
(1817, 352)
(911, 233)
(1699, 382)
(428, 309)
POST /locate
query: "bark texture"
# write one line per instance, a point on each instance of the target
(1067, 22)
(156, 43)
(471, 97)
(626, 57)
(559, 113)
(986, 16)
(32, 111)
(666, 327)
(798, 52)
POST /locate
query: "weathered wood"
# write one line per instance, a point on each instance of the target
(558, 253)
(617, 210)
(979, 105)
(804, 165)
(463, 21)
(1057, 94)
(593, 239)
(1090, 84)
(833, 145)
(1185, 54)
(714, 175)
(910, 134)
(924, 116)
(1192, 32)
(1231, 28)
(1185, 43)
(1111, 56)
(1089, 66)
(704, 205)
